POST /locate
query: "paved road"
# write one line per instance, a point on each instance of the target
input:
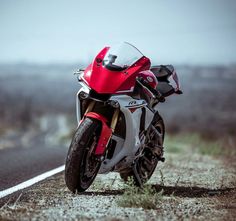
(36, 155)
(20, 164)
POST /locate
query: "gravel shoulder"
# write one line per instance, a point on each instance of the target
(195, 187)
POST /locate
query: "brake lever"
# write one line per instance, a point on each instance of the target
(78, 74)
(179, 92)
(79, 71)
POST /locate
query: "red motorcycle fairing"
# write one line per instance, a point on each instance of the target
(102, 80)
(105, 133)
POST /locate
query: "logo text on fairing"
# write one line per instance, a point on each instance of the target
(132, 103)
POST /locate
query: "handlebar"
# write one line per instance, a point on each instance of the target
(79, 71)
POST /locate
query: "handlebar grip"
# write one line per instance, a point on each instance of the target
(179, 92)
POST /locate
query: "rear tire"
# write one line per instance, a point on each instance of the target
(82, 164)
(147, 163)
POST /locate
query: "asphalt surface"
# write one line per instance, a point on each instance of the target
(20, 164)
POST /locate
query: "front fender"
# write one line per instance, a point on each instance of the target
(105, 133)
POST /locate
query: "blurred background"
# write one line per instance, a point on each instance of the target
(43, 42)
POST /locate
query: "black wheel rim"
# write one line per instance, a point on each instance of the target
(90, 164)
(147, 163)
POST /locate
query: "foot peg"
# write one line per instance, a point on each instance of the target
(162, 159)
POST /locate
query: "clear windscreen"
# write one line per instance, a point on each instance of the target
(122, 56)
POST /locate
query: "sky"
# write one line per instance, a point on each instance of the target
(167, 31)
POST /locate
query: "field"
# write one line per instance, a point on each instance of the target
(207, 105)
(196, 182)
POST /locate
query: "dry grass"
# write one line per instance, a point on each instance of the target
(146, 197)
(218, 147)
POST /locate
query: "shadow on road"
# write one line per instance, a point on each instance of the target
(191, 191)
(180, 191)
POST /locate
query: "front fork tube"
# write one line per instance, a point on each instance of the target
(107, 130)
(78, 111)
(115, 119)
(90, 107)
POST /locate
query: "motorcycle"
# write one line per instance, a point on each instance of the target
(119, 127)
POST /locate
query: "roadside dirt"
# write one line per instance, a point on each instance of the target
(196, 187)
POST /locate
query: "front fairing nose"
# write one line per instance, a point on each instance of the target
(113, 71)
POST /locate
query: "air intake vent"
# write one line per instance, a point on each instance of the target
(100, 97)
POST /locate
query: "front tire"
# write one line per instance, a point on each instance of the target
(82, 165)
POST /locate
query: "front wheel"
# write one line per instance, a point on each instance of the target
(82, 165)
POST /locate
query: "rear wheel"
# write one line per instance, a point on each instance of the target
(82, 164)
(151, 153)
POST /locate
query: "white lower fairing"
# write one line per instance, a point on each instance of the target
(148, 117)
(131, 142)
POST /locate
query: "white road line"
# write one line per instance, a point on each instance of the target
(32, 181)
